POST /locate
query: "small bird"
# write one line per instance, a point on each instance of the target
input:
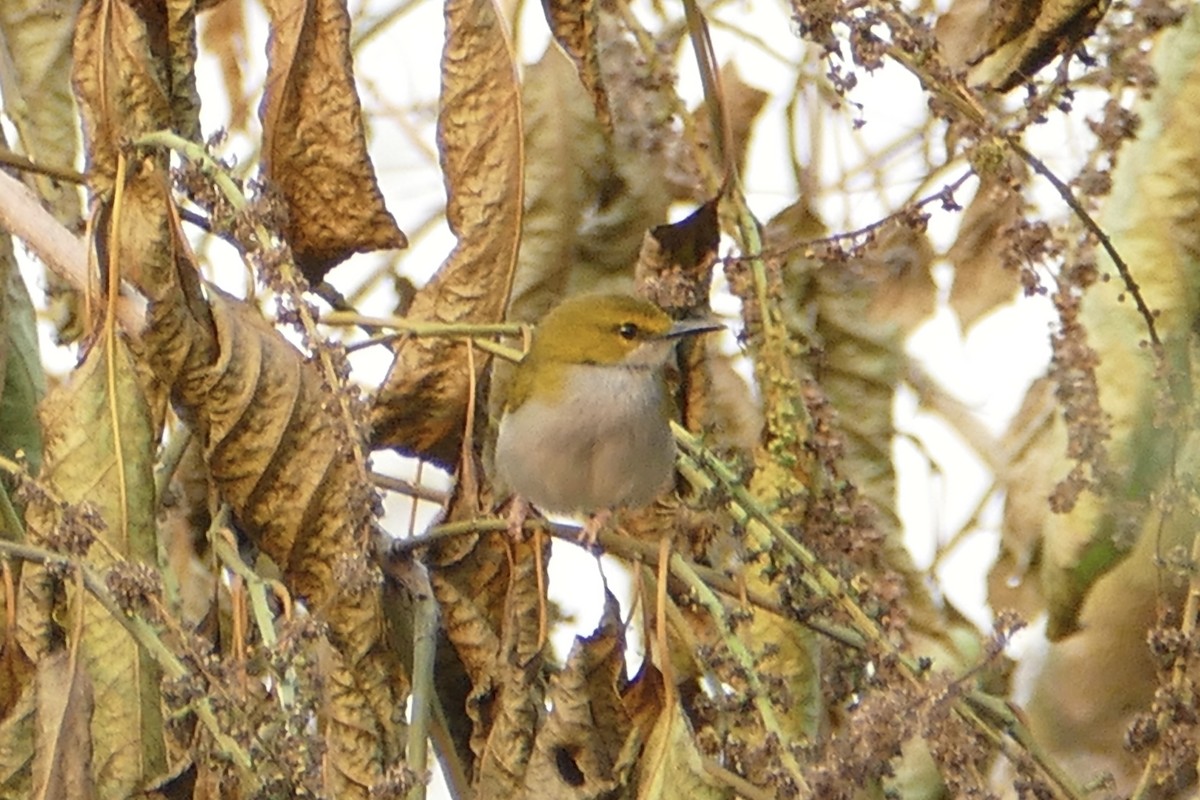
(586, 424)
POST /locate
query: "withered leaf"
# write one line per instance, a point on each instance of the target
(742, 105)
(981, 281)
(314, 144)
(961, 29)
(18, 725)
(280, 455)
(574, 25)
(224, 35)
(1033, 451)
(671, 768)
(675, 265)
(121, 84)
(1025, 36)
(100, 444)
(63, 759)
(421, 408)
(577, 749)
(37, 97)
(565, 158)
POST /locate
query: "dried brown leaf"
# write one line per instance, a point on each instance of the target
(492, 594)
(16, 673)
(180, 64)
(675, 265)
(36, 38)
(314, 144)
(125, 59)
(18, 730)
(675, 270)
(896, 269)
(506, 711)
(742, 105)
(62, 764)
(1033, 452)
(672, 767)
(280, 455)
(506, 701)
(1026, 36)
(981, 281)
(566, 164)
(421, 408)
(224, 35)
(578, 747)
(574, 25)
(100, 445)
(1091, 686)
(961, 29)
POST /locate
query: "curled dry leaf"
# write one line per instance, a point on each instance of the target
(492, 597)
(100, 444)
(1092, 686)
(743, 103)
(277, 451)
(567, 162)
(36, 37)
(314, 144)
(280, 456)
(62, 764)
(224, 35)
(17, 721)
(960, 29)
(574, 24)
(1032, 447)
(674, 270)
(578, 747)
(422, 407)
(1027, 35)
(981, 279)
(122, 86)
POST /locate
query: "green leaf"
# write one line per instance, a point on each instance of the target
(22, 383)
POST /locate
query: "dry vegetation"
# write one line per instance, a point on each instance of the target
(202, 598)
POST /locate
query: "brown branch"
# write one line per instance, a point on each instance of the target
(63, 253)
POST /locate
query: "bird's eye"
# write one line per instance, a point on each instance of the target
(628, 330)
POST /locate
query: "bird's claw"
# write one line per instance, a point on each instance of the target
(592, 527)
(518, 512)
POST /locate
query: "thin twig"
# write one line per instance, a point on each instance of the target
(19, 162)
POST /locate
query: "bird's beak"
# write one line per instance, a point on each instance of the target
(691, 327)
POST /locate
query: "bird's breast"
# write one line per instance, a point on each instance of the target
(604, 444)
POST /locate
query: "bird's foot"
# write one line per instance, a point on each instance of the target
(593, 526)
(518, 512)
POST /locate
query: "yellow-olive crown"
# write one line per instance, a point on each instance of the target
(609, 330)
(597, 329)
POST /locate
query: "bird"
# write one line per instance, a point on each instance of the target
(585, 427)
